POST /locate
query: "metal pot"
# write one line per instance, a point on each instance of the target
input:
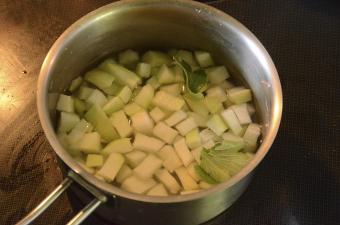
(154, 24)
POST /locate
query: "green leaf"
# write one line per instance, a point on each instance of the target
(204, 176)
(229, 146)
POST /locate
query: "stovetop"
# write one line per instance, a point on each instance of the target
(298, 182)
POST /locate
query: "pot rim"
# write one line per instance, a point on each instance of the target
(55, 51)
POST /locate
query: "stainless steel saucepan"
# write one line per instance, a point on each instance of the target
(155, 24)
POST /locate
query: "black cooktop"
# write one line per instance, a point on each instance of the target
(298, 183)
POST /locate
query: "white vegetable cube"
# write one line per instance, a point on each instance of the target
(174, 89)
(239, 95)
(203, 58)
(230, 137)
(156, 58)
(134, 158)
(207, 135)
(187, 56)
(113, 105)
(143, 69)
(230, 118)
(137, 185)
(165, 75)
(122, 75)
(167, 101)
(197, 105)
(121, 123)
(81, 162)
(192, 171)
(145, 96)
(193, 139)
(78, 131)
(157, 114)
(183, 152)
(111, 166)
(158, 190)
(200, 120)
(204, 185)
(62, 137)
(179, 76)
(84, 92)
(168, 180)
(65, 103)
(153, 81)
(226, 85)
(186, 126)
(216, 124)
(67, 121)
(186, 180)
(251, 109)
(171, 161)
(128, 57)
(217, 92)
(164, 132)
(213, 104)
(175, 118)
(197, 154)
(75, 84)
(125, 94)
(250, 137)
(99, 78)
(146, 143)
(122, 145)
(242, 113)
(217, 74)
(148, 166)
(209, 144)
(142, 122)
(97, 97)
(89, 143)
(124, 172)
(132, 109)
(94, 160)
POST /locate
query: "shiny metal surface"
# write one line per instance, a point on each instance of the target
(163, 24)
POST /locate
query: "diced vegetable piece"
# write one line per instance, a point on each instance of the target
(226, 85)
(158, 190)
(196, 153)
(167, 101)
(196, 105)
(113, 89)
(78, 131)
(145, 96)
(250, 137)
(111, 166)
(183, 152)
(137, 185)
(218, 93)
(128, 57)
(213, 104)
(209, 144)
(143, 69)
(101, 123)
(216, 124)
(239, 95)
(204, 185)
(164, 132)
(209, 166)
(113, 105)
(251, 109)
(84, 92)
(175, 118)
(125, 94)
(148, 166)
(75, 84)
(242, 113)
(186, 126)
(123, 173)
(89, 143)
(65, 103)
(97, 97)
(155, 58)
(122, 145)
(200, 120)
(79, 106)
(81, 162)
(142, 122)
(153, 81)
(230, 118)
(122, 75)
(103, 65)
(230, 137)
(134, 158)
(186, 180)
(193, 139)
(178, 72)
(189, 192)
(121, 123)
(192, 171)
(62, 137)
(157, 114)
(171, 161)
(174, 89)
(132, 109)
(187, 56)
(217, 74)
(204, 59)
(165, 75)
(99, 78)
(94, 160)
(168, 180)
(146, 143)
(67, 121)
(207, 135)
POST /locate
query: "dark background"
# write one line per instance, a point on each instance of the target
(298, 183)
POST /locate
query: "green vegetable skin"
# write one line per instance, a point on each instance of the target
(158, 123)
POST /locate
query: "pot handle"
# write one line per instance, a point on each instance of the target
(82, 215)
